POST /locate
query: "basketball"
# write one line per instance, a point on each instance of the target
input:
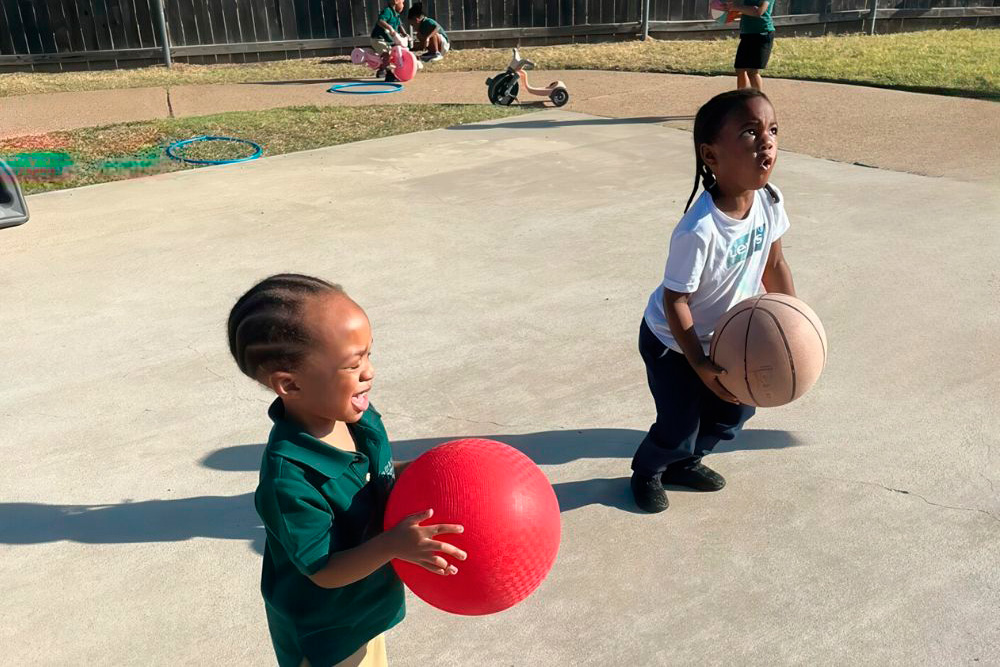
(773, 348)
(511, 520)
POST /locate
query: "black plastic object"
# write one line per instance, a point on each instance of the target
(559, 96)
(13, 209)
(502, 88)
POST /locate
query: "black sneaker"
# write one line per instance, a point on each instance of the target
(696, 476)
(649, 493)
(390, 77)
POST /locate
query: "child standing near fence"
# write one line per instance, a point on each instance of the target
(756, 41)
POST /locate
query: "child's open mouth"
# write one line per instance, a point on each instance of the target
(766, 162)
(360, 401)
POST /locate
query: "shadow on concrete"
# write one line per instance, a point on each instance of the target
(544, 447)
(220, 517)
(292, 82)
(609, 491)
(758, 439)
(238, 458)
(615, 492)
(558, 447)
(234, 517)
(976, 94)
(545, 124)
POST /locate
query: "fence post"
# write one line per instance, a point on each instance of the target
(874, 12)
(645, 19)
(161, 25)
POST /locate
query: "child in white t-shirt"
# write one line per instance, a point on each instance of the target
(726, 248)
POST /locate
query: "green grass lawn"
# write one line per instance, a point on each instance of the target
(959, 62)
(129, 150)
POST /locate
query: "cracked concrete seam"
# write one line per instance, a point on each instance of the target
(191, 347)
(916, 495)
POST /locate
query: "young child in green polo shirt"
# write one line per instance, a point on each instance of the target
(389, 22)
(329, 592)
(428, 33)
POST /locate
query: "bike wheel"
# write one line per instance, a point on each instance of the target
(559, 97)
(503, 89)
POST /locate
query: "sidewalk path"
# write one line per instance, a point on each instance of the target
(505, 278)
(923, 134)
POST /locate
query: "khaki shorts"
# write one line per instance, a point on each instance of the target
(371, 654)
(381, 47)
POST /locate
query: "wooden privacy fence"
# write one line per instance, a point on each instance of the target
(84, 34)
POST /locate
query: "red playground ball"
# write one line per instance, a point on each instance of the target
(511, 520)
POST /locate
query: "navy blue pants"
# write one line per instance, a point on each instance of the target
(690, 419)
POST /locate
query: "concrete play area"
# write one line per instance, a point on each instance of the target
(505, 267)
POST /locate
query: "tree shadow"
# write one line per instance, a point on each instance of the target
(548, 124)
(234, 517)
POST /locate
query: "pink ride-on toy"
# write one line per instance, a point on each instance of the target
(402, 62)
(504, 87)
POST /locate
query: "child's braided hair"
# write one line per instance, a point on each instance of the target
(266, 329)
(707, 122)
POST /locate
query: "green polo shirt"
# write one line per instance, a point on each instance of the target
(315, 500)
(390, 16)
(428, 25)
(757, 24)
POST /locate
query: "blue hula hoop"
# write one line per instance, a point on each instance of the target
(177, 144)
(339, 88)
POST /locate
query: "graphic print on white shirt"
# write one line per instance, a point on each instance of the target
(740, 248)
(717, 260)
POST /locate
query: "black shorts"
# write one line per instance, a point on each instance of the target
(754, 50)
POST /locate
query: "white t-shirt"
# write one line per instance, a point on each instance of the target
(718, 260)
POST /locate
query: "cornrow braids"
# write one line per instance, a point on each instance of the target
(703, 174)
(711, 117)
(266, 328)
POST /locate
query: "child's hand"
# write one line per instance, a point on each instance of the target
(709, 373)
(412, 542)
